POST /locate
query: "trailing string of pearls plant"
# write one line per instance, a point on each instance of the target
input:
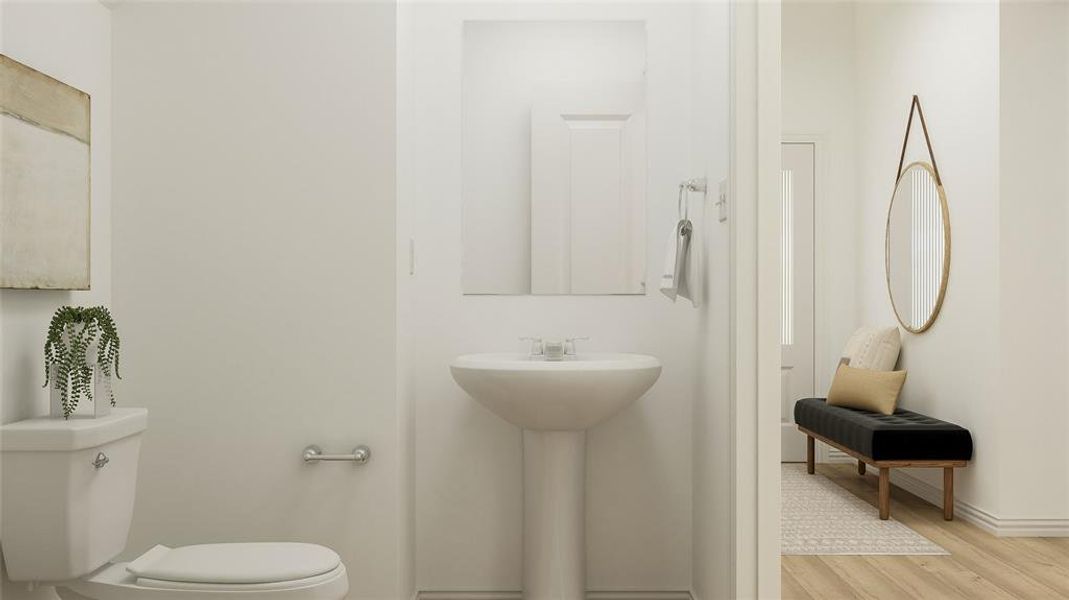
(72, 332)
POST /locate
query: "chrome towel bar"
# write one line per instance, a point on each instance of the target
(360, 455)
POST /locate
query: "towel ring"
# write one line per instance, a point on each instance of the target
(683, 204)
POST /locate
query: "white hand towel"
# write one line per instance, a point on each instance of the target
(682, 267)
(692, 270)
(669, 283)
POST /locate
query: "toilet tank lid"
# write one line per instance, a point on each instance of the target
(76, 433)
(235, 563)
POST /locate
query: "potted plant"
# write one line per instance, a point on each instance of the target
(81, 354)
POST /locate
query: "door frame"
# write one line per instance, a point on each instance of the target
(755, 138)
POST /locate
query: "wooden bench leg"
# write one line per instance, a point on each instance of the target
(860, 467)
(948, 493)
(810, 455)
(885, 493)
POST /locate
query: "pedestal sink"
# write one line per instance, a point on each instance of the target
(555, 402)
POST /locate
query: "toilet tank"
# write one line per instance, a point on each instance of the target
(67, 493)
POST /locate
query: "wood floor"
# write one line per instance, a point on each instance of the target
(980, 566)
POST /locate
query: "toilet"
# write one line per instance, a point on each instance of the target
(68, 496)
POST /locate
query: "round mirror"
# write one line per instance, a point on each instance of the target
(918, 247)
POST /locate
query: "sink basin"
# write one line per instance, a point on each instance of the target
(568, 395)
(555, 402)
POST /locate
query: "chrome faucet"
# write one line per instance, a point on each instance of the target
(536, 345)
(552, 349)
(569, 345)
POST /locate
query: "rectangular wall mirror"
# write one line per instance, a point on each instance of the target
(554, 157)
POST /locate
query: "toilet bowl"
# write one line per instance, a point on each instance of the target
(67, 499)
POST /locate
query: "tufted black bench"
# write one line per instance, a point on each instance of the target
(904, 439)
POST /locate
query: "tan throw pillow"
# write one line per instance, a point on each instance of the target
(875, 391)
(874, 348)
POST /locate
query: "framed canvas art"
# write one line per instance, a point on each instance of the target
(44, 181)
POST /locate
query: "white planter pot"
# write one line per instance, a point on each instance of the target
(101, 385)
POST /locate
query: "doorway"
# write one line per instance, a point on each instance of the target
(797, 300)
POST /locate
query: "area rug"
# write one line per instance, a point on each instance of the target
(819, 517)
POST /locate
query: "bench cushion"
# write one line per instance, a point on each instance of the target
(905, 435)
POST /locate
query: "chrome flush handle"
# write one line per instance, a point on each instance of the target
(101, 460)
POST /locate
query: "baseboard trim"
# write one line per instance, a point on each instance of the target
(595, 595)
(1001, 527)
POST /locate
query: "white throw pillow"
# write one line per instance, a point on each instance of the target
(874, 348)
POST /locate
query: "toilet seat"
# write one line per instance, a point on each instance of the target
(233, 564)
(272, 571)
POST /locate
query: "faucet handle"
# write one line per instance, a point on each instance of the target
(569, 344)
(536, 345)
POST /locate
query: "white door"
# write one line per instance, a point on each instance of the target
(588, 187)
(796, 285)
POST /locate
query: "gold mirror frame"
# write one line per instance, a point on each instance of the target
(933, 170)
(945, 210)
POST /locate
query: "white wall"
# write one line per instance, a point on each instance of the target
(1033, 209)
(951, 61)
(254, 274)
(468, 461)
(70, 41)
(507, 68)
(712, 520)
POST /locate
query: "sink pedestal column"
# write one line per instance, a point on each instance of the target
(554, 496)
